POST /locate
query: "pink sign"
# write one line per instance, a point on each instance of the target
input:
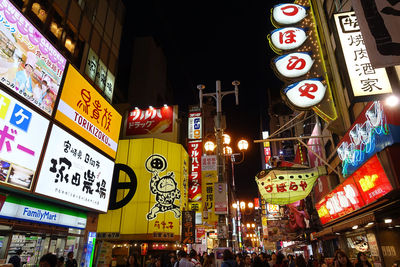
(150, 121)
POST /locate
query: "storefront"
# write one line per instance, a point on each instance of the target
(359, 215)
(38, 228)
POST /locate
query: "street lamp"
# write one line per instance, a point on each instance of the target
(218, 95)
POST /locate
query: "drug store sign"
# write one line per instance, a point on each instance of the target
(74, 172)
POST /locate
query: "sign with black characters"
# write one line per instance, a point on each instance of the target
(74, 172)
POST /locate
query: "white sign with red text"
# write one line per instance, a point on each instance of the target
(288, 38)
(294, 65)
(306, 93)
(287, 14)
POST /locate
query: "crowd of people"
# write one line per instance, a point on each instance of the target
(193, 259)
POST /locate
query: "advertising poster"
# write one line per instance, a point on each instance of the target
(29, 64)
(83, 110)
(220, 198)
(188, 227)
(161, 170)
(150, 121)
(74, 172)
(22, 133)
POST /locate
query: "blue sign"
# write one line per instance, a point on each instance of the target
(20, 117)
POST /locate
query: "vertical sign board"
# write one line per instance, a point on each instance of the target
(29, 64)
(188, 227)
(267, 150)
(209, 176)
(364, 78)
(150, 121)
(195, 127)
(162, 177)
(74, 172)
(83, 110)
(195, 151)
(91, 64)
(221, 198)
(22, 134)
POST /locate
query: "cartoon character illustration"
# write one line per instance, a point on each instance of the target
(164, 187)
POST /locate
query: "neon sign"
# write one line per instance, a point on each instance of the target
(367, 136)
(365, 186)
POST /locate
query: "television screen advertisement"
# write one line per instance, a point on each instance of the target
(22, 134)
(29, 64)
(75, 173)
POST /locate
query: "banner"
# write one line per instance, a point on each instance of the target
(29, 64)
(195, 126)
(150, 121)
(73, 172)
(315, 145)
(285, 185)
(188, 227)
(209, 178)
(22, 134)
(83, 110)
(221, 198)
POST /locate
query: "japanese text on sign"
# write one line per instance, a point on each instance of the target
(195, 170)
(365, 80)
(150, 121)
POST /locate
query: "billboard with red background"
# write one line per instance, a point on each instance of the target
(366, 185)
(150, 121)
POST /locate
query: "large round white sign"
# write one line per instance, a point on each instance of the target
(294, 65)
(305, 94)
(288, 14)
(288, 38)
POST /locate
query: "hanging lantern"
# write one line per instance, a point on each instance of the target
(285, 185)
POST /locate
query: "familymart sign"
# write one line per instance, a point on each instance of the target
(27, 210)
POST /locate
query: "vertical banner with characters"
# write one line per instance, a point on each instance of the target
(29, 64)
(188, 227)
(195, 151)
(209, 177)
(156, 206)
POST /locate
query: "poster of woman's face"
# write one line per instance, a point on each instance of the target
(29, 64)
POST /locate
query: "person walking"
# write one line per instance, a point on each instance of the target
(71, 262)
(362, 260)
(228, 259)
(300, 261)
(48, 260)
(341, 259)
(16, 259)
(183, 260)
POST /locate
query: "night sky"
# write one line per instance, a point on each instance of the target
(205, 41)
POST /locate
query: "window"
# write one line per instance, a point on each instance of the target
(40, 9)
(55, 27)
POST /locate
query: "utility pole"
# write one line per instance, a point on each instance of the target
(218, 95)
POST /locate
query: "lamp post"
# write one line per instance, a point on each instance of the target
(218, 95)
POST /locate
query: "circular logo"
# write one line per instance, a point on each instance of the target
(156, 163)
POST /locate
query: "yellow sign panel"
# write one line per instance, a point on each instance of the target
(83, 110)
(285, 185)
(208, 179)
(155, 209)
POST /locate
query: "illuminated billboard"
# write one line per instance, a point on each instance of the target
(363, 187)
(22, 134)
(29, 64)
(83, 110)
(365, 80)
(73, 172)
(150, 121)
(161, 195)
